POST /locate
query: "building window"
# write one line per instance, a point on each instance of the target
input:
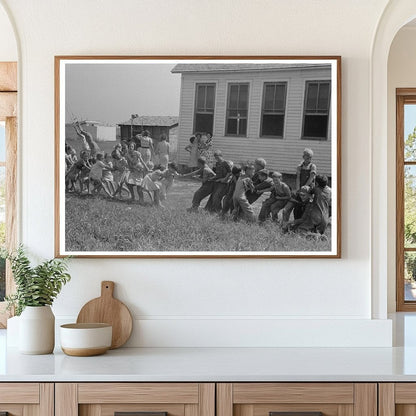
(8, 173)
(273, 109)
(237, 110)
(316, 110)
(204, 108)
(406, 200)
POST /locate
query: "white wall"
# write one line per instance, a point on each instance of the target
(8, 47)
(203, 302)
(401, 74)
(106, 133)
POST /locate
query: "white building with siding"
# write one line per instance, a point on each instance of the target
(272, 111)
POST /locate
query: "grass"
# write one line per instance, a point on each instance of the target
(101, 224)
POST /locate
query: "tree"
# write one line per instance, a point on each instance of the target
(410, 191)
(410, 204)
(410, 146)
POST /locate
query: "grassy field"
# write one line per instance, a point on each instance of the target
(101, 224)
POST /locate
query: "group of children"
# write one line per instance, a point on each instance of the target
(232, 189)
(127, 169)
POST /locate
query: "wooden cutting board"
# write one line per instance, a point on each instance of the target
(107, 309)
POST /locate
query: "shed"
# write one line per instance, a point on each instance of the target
(156, 125)
(270, 110)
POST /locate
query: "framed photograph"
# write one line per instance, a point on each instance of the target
(162, 156)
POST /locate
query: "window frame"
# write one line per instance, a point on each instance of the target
(328, 113)
(268, 136)
(229, 84)
(403, 96)
(8, 112)
(205, 83)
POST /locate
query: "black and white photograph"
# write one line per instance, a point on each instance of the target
(198, 157)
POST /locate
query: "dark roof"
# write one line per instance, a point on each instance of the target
(164, 121)
(180, 68)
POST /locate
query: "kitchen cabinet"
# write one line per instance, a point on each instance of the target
(208, 399)
(397, 399)
(309, 399)
(145, 399)
(26, 399)
(222, 399)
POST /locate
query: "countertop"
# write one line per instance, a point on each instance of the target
(214, 364)
(222, 364)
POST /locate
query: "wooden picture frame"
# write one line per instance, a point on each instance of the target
(223, 95)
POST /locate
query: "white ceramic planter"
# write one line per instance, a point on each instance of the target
(37, 330)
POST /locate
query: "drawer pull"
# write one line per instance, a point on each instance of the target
(140, 414)
(295, 414)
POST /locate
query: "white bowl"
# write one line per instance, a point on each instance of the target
(83, 340)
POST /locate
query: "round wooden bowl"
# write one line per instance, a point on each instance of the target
(85, 340)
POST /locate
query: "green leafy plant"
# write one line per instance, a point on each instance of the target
(35, 286)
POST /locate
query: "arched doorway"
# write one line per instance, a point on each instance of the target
(396, 15)
(401, 124)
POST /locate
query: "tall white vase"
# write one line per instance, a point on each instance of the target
(37, 330)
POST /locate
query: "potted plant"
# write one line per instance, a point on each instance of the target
(36, 289)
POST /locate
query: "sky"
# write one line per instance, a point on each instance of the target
(409, 119)
(111, 92)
